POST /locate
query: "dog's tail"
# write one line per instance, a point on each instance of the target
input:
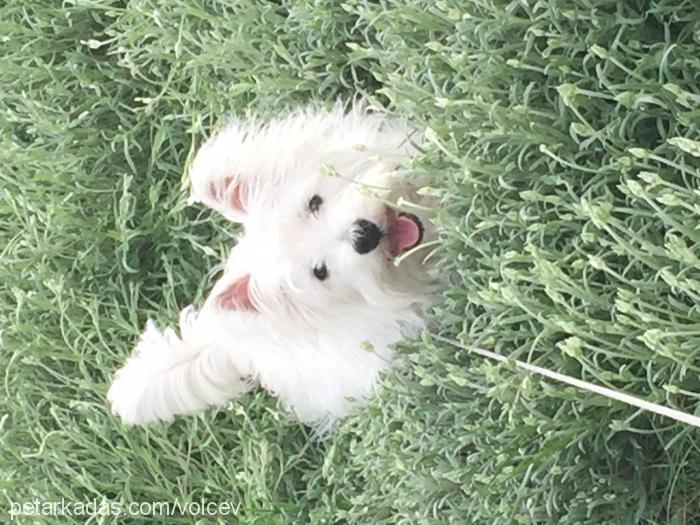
(169, 375)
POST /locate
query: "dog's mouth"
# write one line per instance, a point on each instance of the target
(404, 232)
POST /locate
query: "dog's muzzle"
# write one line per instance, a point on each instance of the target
(366, 236)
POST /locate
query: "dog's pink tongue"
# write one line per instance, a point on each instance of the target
(403, 234)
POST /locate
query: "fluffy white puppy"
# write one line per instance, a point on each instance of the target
(312, 297)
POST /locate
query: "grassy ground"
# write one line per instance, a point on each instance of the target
(564, 141)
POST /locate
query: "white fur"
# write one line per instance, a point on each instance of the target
(317, 345)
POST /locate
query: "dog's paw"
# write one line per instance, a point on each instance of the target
(128, 396)
(122, 398)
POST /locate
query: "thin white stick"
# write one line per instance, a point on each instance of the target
(683, 417)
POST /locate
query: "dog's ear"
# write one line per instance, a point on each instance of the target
(215, 177)
(227, 195)
(236, 295)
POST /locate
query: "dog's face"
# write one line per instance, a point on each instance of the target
(326, 243)
(319, 236)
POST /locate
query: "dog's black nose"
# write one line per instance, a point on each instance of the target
(366, 236)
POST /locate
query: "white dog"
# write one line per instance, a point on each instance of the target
(312, 297)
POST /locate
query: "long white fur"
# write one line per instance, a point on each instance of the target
(318, 346)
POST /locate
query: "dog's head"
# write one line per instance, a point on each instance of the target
(314, 192)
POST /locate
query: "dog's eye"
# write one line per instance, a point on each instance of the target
(315, 203)
(321, 272)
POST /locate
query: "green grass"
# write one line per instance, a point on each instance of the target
(564, 142)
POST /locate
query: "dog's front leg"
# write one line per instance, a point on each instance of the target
(169, 375)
